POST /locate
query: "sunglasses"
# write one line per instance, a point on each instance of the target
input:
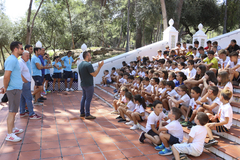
(21, 48)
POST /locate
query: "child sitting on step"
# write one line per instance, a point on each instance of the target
(153, 121)
(170, 134)
(106, 79)
(121, 100)
(221, 122)
(196, 139)
(138, 114)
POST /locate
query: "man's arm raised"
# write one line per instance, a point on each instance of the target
(100, 64)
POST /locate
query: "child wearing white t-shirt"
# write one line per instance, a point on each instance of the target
(153, 121)
(183, 102)
(170, 134)
(190, 72)
(121, 100)
(106, 79)
(221, 122)
(196, 139)
(146, 88)
(138, 114)
(193, 107)
(128, 106)
(233, 67)
(160, 89)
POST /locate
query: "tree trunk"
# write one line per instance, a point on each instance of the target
(73, 45)
(164, 14)
(178, 14)
(139, 37)
(225, 18)
(29, 32)
(28, 20)
(3, 55)
(121, 34)
(7, 50)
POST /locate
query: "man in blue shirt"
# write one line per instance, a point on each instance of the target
(43, 70)
(12, 86)
(37, 75)
(67, 71)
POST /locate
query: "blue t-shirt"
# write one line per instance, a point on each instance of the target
(55, 70)
(42, 62)
(29, 66)
(47, 71)
(35, 70)
(177, 83)
(12, 64)
(68, 63)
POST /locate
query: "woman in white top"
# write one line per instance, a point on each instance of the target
(183, 102)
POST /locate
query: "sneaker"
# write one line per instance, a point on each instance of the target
(42, 98)
(210, 143)
(67, 89)
(108, 85)
(44, 93)
(24, 115)
(37, 104)
(119, 117)
(155, 144)
(90, 117)
(160, 147)
(13, 138)
(82, 115)
(165, 152)
(184, 124)
(16, 130)
(39, 100)
(122, 120)
(115, 91)
(35, 116)
(105, 85)
(71, 89)
(114, 112)
(130, 123)
(142, 137)
(134, 127)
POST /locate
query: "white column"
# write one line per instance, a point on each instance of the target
(200, 36)
(171, 35)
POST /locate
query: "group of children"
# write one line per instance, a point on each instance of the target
(187, 90)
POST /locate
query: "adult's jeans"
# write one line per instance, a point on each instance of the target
(86, 100)
(26, 97)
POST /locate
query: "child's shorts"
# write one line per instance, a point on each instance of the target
(187, 149)
(108, 82)
(141, 119)
(221, 129)
(173, 140)
(151, 133)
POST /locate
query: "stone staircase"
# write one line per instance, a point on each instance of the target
(228, 143)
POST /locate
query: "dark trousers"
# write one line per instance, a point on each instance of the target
(86, 100)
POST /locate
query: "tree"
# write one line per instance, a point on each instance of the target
(178, 14)
(225, 18)
(164, 14)
(73, 45)
(30, 28)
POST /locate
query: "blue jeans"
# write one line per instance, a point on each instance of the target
(26, 97)
(86, 99)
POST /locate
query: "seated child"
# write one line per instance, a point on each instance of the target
(196, 139)
(106, 79)
(191, 71)
(183, 102)
(160, 89)
(148, 96)
(193, 107)
(170, 134)
(213, 102)
(137, 85)
(122, 99)
(114, 74)
(138, 114)
(152, 126)
(233, 67)
(222, 122)
(124, 108)
(121, 80)
(146, 87)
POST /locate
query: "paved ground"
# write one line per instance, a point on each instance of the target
(61, 134)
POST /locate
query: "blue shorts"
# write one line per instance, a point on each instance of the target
(67, 74)
(108, 82)
(38, 80)
(48, 77)
(57, 75)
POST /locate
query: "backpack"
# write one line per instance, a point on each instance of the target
(5, 98)
(75, 76)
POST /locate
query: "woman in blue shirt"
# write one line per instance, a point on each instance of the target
(47, 76)
(57, 75)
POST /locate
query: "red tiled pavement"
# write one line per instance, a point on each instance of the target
(62, 135)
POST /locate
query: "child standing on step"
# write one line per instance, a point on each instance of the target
(139, 112)
(196, 139)
(222, 122)
(170, 134)
(152, 126)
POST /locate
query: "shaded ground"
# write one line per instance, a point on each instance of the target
(62, 135)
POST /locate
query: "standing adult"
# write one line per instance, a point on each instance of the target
(67, 70)
(43, 72)
(86, 72)
(26, 96)
(12, 86)
(29, 48)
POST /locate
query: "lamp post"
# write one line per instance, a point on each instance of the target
(127, 47)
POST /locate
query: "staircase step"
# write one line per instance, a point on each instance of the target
(235, 106)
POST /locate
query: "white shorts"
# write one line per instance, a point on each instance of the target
(187, 149)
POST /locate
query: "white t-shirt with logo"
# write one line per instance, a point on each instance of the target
(175, 129)
(225, 111)
(216, 100)
(193, 103)
(198, 133)
(153, 119)
(225, 62)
